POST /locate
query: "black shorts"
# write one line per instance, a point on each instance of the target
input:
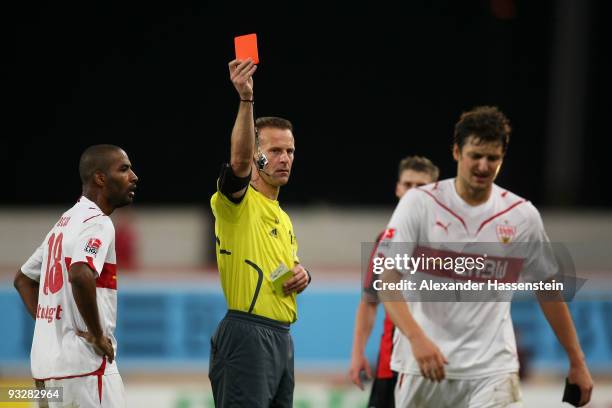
(382, 395)
(251, 362)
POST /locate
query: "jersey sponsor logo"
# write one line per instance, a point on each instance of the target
(504, 269)
(49, 313)
(93, 246)
(505, 232)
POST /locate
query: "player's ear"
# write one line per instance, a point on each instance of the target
(456, 152)
(99, 178)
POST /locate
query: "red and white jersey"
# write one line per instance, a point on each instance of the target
(477, 338)
(82, 234)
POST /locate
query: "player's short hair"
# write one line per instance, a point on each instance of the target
(486, 123)
(96, 158)
(420, 164)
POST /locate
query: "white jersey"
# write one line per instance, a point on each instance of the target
(477, 338)
(82, 234)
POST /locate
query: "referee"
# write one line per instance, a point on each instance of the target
(251, 360)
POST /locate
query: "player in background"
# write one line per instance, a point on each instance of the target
(463, 354)
(414, 171)
(69, 286)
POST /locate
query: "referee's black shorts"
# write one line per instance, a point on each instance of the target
(251, 362)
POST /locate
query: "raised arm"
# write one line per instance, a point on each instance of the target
(243, 133)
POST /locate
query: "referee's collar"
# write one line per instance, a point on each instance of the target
(263, 195)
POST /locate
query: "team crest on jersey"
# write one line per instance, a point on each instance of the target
(505, 233)
(93, 245)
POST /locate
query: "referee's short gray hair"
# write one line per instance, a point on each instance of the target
(273, 122)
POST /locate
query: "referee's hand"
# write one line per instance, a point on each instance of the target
(299, 281)
(241, 74)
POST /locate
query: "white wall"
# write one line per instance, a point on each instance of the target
(168, 236)
(182, 237)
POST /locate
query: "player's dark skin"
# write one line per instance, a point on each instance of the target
(110, 188)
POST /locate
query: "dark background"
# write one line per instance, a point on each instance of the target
(363, 85)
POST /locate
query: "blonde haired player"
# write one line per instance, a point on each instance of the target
(69, 285)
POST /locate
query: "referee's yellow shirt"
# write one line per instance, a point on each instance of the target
(254, 237)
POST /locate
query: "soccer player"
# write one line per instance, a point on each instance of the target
(69, 286)
(463, 354)
(414, 171)
(251, 361)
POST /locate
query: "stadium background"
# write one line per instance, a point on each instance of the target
(364, 86)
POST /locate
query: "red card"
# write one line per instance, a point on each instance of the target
(246, 47)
